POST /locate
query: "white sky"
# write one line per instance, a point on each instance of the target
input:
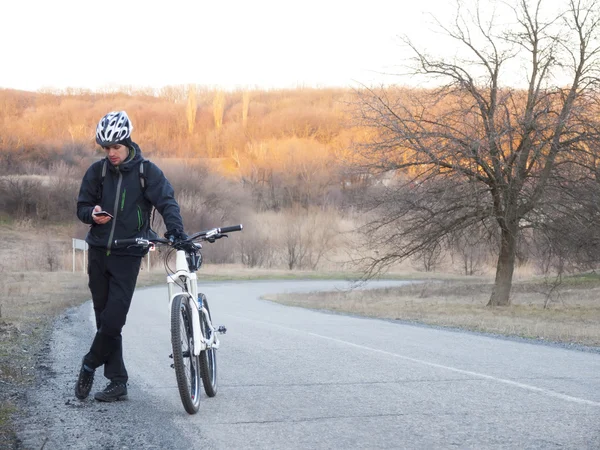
(230, 44)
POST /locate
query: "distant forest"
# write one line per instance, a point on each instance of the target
(288, 146)
(278, 161)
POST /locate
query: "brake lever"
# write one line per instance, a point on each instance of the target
(215, 237)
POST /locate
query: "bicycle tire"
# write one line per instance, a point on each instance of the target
(208, 357)
(185, 363)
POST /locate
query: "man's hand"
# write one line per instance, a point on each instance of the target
(100, 220)
(176, 235)
(179, 238)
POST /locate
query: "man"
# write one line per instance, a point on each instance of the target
(122, 187)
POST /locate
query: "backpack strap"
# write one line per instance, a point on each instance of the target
(101, 183)
(143, 182)
(103, 175)
(142, 176)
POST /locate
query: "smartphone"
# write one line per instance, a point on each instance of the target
(102, 214)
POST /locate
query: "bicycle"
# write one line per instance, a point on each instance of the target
(193, 336)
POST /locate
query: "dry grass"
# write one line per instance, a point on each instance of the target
(571, 316)
(30, 296)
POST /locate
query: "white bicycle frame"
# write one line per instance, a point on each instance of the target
(182, 273)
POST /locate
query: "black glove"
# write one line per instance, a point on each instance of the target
(176, 235)
(178, 239)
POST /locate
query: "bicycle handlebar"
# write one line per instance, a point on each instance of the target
(139, 241)
(208, 235)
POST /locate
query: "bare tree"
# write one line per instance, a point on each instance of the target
(52, 256)
(429, 258)
(245, 107)
(475, 149)
(566, 235)
(218, 109)
(175, 94)
(470, 247)
(191, 109)
(309, 235)
(296, 241)
(257, 249)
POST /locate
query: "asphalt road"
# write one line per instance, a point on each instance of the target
(291, 378)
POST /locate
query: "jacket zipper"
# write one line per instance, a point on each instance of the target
(116, 210)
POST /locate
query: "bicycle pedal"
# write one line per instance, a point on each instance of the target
(222, 329)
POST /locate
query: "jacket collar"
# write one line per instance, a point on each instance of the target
(134, 158)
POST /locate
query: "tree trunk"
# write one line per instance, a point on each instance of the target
(505, 267)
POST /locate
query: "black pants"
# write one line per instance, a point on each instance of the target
(112, 281)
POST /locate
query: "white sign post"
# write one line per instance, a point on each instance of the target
(79, 244)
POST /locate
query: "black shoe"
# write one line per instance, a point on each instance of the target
(113, 392)
(84, 383)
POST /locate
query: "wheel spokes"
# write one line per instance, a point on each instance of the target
(188, 361)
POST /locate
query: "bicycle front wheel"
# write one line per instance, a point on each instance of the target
(208, 357)
(185, 363)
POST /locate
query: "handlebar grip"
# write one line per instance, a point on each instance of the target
(124, 242)
(231, 229)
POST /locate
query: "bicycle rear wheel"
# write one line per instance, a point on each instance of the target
(208, 357)
(185, 363)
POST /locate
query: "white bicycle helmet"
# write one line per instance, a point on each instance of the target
(113, 128)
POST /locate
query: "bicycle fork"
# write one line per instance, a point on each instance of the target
(199, 341)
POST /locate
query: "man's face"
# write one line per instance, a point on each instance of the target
(116, 153)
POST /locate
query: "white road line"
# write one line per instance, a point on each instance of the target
(528, 387)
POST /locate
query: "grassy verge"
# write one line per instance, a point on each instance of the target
(568, 314)
(235, 272)
(28, 303)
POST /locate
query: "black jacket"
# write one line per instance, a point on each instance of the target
(121, 194)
